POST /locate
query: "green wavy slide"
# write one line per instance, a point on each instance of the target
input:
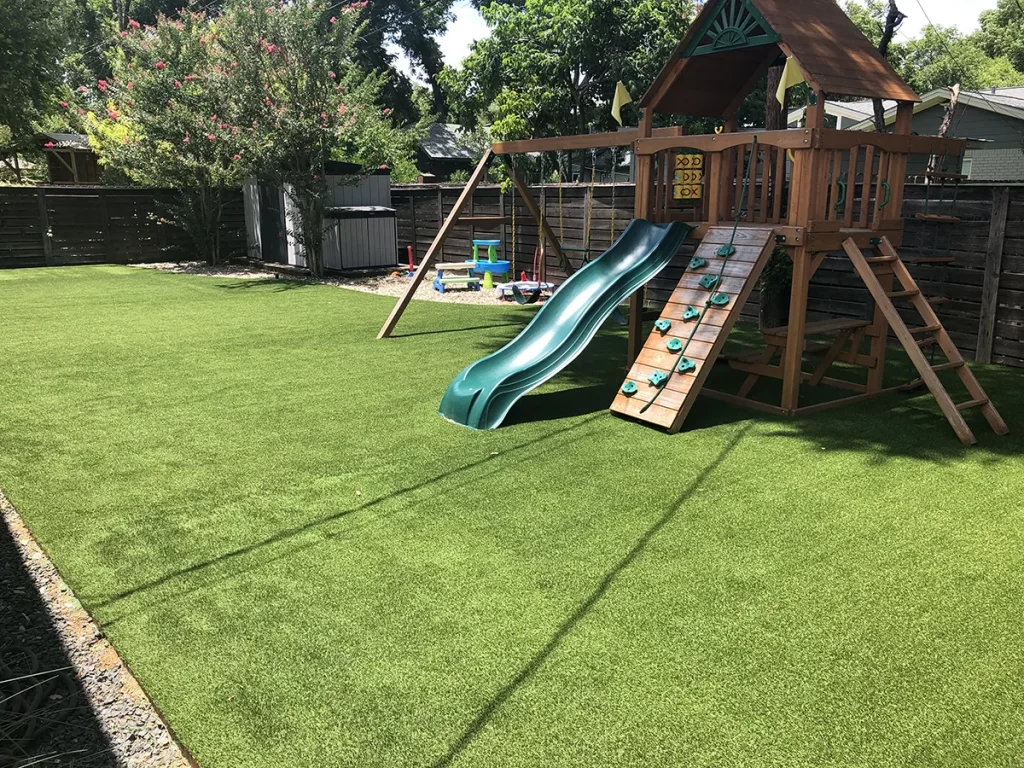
(480, 397)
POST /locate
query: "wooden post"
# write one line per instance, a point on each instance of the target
(438, 244)
(105, 223)
(641, 210)
(44, 222)
(803, 187)
(415, 241)
(993, 266)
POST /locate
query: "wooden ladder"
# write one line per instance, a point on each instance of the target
(887, 266)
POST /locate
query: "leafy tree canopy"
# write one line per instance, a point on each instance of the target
(551, 67)
(1002, 32)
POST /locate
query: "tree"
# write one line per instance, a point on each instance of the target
(550, 67)
(1002, 32)
(31, 44)
(163, 120)
(944, 56)
(297, 88)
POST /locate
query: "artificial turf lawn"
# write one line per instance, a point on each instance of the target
(304, 565)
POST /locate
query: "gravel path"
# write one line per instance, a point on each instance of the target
(385, 285)
(66, 698)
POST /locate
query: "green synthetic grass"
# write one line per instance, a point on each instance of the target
(305, 566)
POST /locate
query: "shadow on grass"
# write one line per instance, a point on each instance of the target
(472, 473)
(459, 330)
(279, 284)
(45, 717)
(569, 624)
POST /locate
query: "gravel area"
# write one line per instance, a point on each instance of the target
(385, 285)
(66, 698)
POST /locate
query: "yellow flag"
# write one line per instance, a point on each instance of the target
(622, 98)
(791, 75)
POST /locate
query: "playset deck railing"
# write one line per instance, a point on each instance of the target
(857, 177)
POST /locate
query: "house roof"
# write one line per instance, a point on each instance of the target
(1002, 101)
(851, 110)
(708, 79)
(442, 143)
(66, 140)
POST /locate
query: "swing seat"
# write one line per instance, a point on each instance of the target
(523, 299)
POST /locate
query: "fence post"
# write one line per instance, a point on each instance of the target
(44, 221)
(993, 266)
(415, 239)
(105, 223)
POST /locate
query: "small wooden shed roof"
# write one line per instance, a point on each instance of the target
(732, 43)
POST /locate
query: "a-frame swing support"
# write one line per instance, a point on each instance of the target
(436, 246)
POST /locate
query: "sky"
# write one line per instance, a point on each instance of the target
(469, 24)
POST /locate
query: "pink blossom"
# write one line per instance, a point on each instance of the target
(133, 23)
(332, 75)
(124, 33)
(323, 115)
(267, 101)
(112, 114)
(342, 109)
(333, 19)
(213, 118)
(236, 157)
(102, 85)
(387, 110)
(49, 145)
(211, 137)
(190, 78)
(383, 166)
(81, 111)
(129, 85)
(82, 89)
(177, 83)
(186, 139)
(160, 65)
(64, 105)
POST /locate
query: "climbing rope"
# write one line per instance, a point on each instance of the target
(709, 282)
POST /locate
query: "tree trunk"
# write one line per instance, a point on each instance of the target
(893, 19)
(775, 292)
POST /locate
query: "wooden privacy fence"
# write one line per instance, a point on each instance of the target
(982, 290)
(58, 226)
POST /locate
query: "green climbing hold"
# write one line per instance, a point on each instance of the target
(719, 299)
(629, 388)
(690, 313)
(674, 345)
(685, 364)
(726, 251)
(709, 281)
(697, 262)
(658, 378)
(663, 324)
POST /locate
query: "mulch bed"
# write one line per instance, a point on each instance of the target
(66, 698)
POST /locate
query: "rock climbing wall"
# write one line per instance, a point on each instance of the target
(677, 357)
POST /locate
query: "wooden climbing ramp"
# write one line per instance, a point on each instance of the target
(879, 273)
(679, 354)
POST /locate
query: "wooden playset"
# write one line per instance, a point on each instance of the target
(812, 190)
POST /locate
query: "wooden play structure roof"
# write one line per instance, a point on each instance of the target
(732, 43)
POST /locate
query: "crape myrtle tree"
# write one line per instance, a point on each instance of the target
(296, 87)
(162, 119)
(266, 88)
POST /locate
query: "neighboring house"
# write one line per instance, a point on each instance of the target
(70, 159)
(993, 120)
(441, 154)
(845, 114)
